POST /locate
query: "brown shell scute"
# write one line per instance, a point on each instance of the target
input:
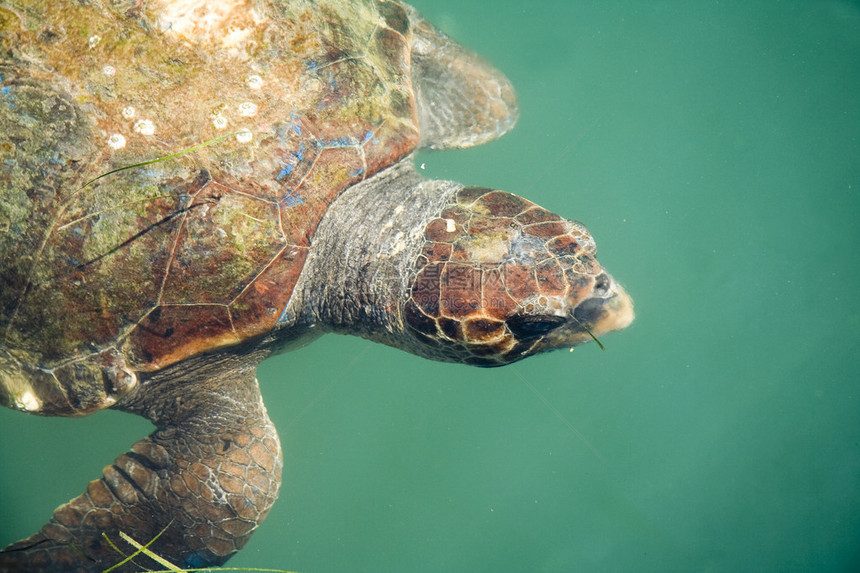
(224, 235)
(200, 245)
(501, 204)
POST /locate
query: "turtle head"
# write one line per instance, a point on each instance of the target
(500, 278)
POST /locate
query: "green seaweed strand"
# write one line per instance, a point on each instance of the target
(164, 158)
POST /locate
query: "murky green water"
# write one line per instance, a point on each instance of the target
(713, 148)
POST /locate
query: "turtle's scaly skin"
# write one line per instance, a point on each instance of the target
(189, 186)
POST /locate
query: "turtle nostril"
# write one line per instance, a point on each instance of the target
(602, 284)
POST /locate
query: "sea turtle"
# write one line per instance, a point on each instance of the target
(189, 187)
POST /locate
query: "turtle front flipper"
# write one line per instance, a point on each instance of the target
(461, 99)
(199, 485)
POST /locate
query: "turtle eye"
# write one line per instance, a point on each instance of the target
(527, 326)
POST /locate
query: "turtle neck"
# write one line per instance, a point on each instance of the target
(361, 262)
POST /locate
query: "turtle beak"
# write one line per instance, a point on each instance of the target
(609, 308)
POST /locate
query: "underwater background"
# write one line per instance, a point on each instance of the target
(713, 149)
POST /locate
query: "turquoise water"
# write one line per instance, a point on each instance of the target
(713, 148)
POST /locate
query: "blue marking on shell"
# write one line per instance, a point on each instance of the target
(284, 172)
(341, 142)
(297, 124)
(292, 199)
(8, 96)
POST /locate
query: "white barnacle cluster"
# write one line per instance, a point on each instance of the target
(141, 126)
(247, 109)
(223, 23)
(219, 122)
(220, 117)
(254, 82)
(225, 113)
(144, 127)
(116, 141)
(244, 109)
